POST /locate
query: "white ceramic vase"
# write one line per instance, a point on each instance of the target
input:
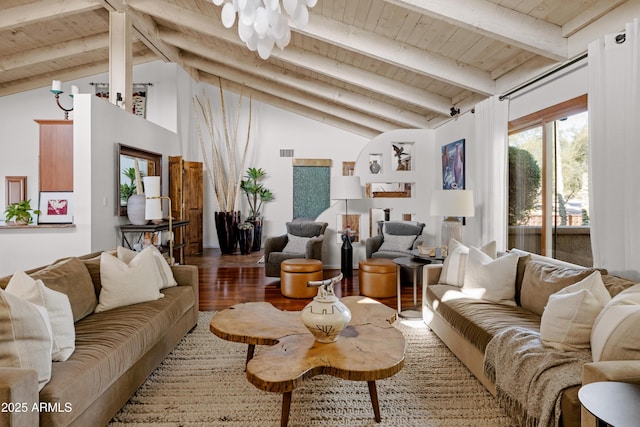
(326, 316)
(135, 209)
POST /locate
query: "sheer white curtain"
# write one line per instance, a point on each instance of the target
(490, 192)
(614, 127)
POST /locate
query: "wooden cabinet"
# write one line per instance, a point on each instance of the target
(186, 193)
(56, 155)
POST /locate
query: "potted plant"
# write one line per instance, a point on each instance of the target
(20, 212)
(127, 190)
(256, 194)
(221, 150)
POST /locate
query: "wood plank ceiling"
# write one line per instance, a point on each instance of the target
(363, 65)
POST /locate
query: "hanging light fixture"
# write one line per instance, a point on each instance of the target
(263, 24)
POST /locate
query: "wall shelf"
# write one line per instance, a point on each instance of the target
(34, 226)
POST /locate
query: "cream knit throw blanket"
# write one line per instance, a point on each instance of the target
(530, 376)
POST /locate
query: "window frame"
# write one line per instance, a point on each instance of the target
(545, 119)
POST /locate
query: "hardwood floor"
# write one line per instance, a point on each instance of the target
(226, 280)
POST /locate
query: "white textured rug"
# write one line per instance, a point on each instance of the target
(202, 383)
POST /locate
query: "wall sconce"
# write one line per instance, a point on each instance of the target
(56, 89)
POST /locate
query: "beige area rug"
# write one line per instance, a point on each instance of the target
(202, 383)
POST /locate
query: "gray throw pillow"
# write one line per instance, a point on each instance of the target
(395, 243)
(296, 244)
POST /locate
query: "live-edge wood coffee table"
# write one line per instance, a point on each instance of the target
(368, 349)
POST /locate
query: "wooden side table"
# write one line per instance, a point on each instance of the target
(132, 234)
(612, 403)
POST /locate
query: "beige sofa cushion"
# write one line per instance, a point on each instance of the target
(615, 334)
(567, 320)
(126, 284)
(71, 277)
(490, 279)
(25, 336)
(58, 309)
(454, 266)
(542, 279)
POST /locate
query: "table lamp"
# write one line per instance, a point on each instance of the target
(346, 188)
(153, 208)
(452, 204)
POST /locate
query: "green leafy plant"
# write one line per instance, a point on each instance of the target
(126, 190)
(524, 185)
(256, 193)
(20, 212)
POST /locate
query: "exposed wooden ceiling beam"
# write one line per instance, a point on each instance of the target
(291, 106)
(497, 22)
(53, 52)
(400, 55)
(276, 75)
(365, 79)
(308, 60)
(42, 10)
(589, 15)
(72, 73)
(320, 107)
(145, 28)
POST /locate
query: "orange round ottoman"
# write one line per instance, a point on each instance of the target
(377, 277)
(294, 275)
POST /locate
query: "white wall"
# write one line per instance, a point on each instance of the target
(460, 127)
(273, 129)
(98, 127)
(422, 176)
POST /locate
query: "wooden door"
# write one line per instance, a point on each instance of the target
(56, 155)
(192, 191)
(186, 192)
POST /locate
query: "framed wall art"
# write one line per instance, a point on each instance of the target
(453, 165)
(56, 207)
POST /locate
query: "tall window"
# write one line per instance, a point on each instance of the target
(548, 182)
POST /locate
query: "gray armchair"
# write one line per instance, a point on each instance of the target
(402, 237)
(279, 248)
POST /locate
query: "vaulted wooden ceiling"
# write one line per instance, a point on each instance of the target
(364, 65)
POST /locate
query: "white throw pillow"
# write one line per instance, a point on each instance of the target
(594, 284)
(126, 284)
(58, 309)
(568, 318)
(491, 279)
(25, 336)
(296, 244)
(454, 265)
(615, 334)
(397, 243)
(127, 255)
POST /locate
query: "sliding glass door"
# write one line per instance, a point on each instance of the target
(548, 183)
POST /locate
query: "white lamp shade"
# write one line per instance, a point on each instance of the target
(153, 207)
(452, 203)
(346, 188)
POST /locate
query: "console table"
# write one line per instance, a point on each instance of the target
(132, 234)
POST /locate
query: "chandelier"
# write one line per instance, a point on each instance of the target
(263, 24)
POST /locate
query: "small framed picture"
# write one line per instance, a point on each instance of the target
(56, 207)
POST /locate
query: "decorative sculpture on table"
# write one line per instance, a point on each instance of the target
(326, 316)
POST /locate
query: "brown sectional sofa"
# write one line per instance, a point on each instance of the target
(467, 325)
(115, 350)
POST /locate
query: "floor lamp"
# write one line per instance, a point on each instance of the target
(452, 204)
(153, 208)
(346, 188)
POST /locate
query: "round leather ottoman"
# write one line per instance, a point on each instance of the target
(294, 275)
(377, 277)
